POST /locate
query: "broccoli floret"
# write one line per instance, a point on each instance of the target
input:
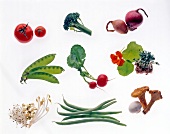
(72, 22)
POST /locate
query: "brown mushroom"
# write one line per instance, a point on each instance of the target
(155, 95)
(140, 93)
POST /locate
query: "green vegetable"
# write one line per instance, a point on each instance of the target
(132, 51)
(39, 70)
(43, 76)
(40, 62)
(103, 105)
(126, 68)
(76, 60)
(91, 120)
(88, 114)
(73, 22)
(77, 57)
(48, 69)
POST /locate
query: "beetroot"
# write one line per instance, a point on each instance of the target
(118, 25)
(134, 19)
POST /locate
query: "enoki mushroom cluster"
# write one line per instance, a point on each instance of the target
(28, 114)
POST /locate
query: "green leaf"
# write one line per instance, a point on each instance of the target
(78, 51)
(77, 57)
(132, 51)
(73, 62)
(126, 69)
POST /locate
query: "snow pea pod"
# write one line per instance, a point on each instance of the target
(43, 76)
(90, 120)
(40, 62)
(48, 69)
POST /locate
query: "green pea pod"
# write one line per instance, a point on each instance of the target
(48, 69)
(43, 76)
(40, 62)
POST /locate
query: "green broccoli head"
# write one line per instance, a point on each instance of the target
(72, 22)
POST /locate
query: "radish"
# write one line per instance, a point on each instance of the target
(134, 19)
(102, 80)
(118, 25)
(92, 85)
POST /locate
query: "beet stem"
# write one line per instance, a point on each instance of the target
(107, 25)
(143, 11)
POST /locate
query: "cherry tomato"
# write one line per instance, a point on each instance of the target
(40, 31)
(23, 33)
(102, 80)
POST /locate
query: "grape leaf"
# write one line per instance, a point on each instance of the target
(132, 51)
(77, 57)
(126, 68)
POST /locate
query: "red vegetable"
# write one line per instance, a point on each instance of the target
(118, 25)
(92, 85)
(134, 19)
(102, 80)
(23, 33)
(40, 31)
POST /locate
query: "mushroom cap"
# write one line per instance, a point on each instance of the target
(139, 91)
(155, 94)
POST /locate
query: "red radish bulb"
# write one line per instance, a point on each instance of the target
(118, 25)
(134, 19)
(102, 80)
(92, 85)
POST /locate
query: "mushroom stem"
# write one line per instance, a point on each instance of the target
(155, 95)
(140, 93)
(143, 101)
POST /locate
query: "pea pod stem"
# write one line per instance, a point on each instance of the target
(90, 116)
(90, 120)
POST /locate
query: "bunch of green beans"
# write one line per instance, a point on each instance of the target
(77, 115)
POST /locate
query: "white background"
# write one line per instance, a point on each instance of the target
(153, 35)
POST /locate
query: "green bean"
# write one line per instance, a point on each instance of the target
(90, 116)
(90, 120)
(108, 104)
(40, 62)
(68, 108)
(85, 112)
(93, 112)
(43, 76)
(81, 108)
(48, 69)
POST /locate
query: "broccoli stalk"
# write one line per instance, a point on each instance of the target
(72, 22)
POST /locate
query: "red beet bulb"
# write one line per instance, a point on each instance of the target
(134, 19)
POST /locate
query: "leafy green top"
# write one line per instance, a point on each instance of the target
(77, 57)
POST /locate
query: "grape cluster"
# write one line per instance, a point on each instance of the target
(144, 64)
